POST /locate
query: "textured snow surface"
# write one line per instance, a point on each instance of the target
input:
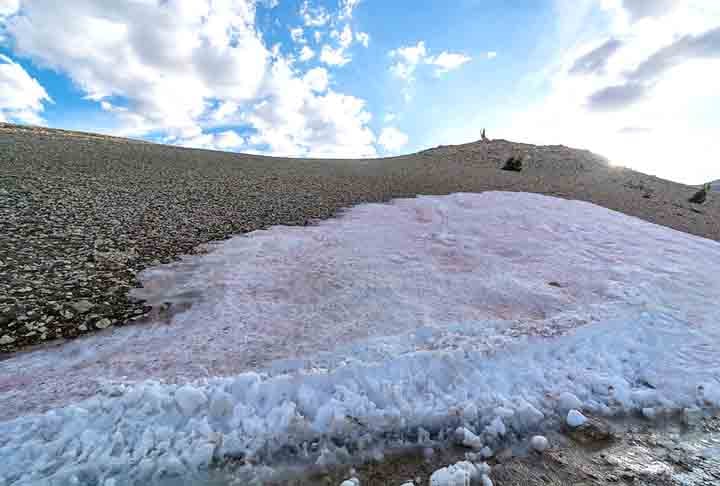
(497, 312)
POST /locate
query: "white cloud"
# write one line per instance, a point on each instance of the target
(363, 38)
(347, 7)
(300, 118)
(491, 54)
(225, 110)
(657, 72)
(392, 139)
(8, 7)
(22, 98)
(318, 36)
(297, 34)
(170, 60)
(390, 117)
(639, 9)
(306, 54)
(408, 58)
(448, 61)
(313, 16)
(227, 140)
(317, 79)
(333, 56)
(183, 70)
(345, 37)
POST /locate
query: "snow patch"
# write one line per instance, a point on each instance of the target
(275, 354)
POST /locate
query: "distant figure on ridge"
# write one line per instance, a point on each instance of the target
(483, 137)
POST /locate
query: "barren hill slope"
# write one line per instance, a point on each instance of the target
(81, 214)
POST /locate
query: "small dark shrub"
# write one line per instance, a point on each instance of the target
(701, 196)
(514, 164)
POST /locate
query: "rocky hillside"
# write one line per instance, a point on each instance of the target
(81, 214)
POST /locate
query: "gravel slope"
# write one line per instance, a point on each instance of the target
(81, 214)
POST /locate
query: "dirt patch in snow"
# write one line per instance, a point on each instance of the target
(667, 453)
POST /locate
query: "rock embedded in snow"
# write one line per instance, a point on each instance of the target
(539, 443)
(189, 399)
(575, 419)
(467, 438)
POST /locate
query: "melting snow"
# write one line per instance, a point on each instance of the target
(494, 312)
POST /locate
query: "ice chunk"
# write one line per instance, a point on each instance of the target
(221, 405)
(568, 401)
(496, 428)
(528, 416)
(467, 438)
(189, 399)
(483, 468)
(575, 419)
(539, 443)
(470, 412)
(692, 416)
(351, 482)
(459, 474)
(709, 394)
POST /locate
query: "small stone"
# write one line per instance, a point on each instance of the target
(6, 339)
(103, 323)
(82, 306)
(428, 453)
(504, 455)
(575, 419)
(82, 327)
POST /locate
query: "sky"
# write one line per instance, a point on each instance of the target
(633, 80)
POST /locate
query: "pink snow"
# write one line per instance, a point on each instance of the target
(429, 263)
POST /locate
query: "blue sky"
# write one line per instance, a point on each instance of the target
(633, 80)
